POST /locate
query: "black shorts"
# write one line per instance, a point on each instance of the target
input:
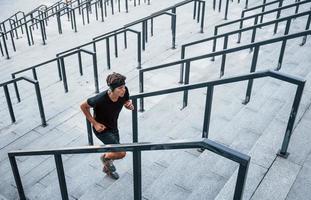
(108, 137)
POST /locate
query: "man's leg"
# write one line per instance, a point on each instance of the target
(115, 155)
(108, 158)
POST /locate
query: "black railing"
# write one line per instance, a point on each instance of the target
(226, 6)
(144, 34)
(223, 53)
(262, 7)
(61, 69)
(210, 85)
(287, 19)
(255, 17)
(106, 36)
(242, 159)
(44, 16)
(38, 94)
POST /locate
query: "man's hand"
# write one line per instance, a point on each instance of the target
(129, 105)
(99, 127)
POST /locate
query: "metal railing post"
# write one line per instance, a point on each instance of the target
(250, 81)
(146, 30)
(241, 26)
(96, 10)
(126, 6)
(226, 9)
(17, 178)
(186, 82)
(194, 9)
(304, 38)
(297, 8)
(254, 32)
(139, 50)
(214, 42)
(199, 10)
(63, 70)
(40, 104)
(12, 40)
(34, 73)
(136, 156)
(281, 56)
(83, 20)
(115, 45)
(143, 36)
(291, 121)
(61, 176)
(241, 180)
(141, 90)
(16, 89)
(9, 102)
(101, 9)
(74, 19)
(277, 17)
(31, 35)
(2, 53)
(223, 58)
(105, 7)
(112, 8)
(202, 17)
(173, 28)
(263, 10)
(119, 6)
(80, 63)
(181, 74)
(42, 31)
(87, 13)
(89, 132)
(95, 73)
(59, 23)
(59, 69)
(5, 46)
(108, 53)
(125, 39)
(219, 6)
(208, 110)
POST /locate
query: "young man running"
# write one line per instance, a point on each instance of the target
(107, 106)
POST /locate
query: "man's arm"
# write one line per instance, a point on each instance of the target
(85, 107)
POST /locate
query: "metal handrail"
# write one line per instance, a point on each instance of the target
(226, 6)
(256, 16)
(262, 7)
(38, 94)
(144, 39)
(209, 97)
(223, 53)
(240, 158)
(61, 69)
(70, 12)
(158, 13)
(240, 31)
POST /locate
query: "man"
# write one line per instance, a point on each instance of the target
(107, 106)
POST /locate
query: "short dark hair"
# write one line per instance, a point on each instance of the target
(115, 80)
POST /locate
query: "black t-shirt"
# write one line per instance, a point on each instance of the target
(105, 110)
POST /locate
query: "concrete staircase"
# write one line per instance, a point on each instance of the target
(256, 129)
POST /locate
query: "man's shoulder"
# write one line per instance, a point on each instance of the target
(100, 95)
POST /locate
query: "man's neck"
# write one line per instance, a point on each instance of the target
(112, 96)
